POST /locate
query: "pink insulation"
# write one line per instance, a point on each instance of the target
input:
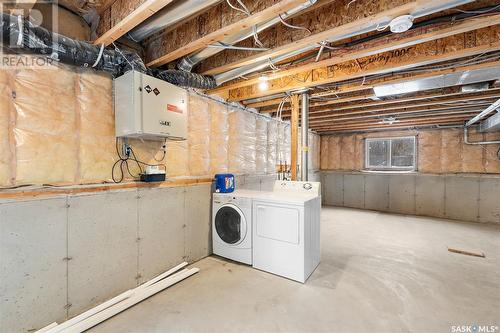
(6, 157)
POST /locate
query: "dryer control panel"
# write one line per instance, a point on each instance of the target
(298, 187)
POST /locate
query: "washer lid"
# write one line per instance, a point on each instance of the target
(230, 224)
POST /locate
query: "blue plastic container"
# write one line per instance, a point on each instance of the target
(224, 183)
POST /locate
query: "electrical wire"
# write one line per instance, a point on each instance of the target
(478, 11)
(292, 26)
(123, 162)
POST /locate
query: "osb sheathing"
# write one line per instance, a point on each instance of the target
(438, 151)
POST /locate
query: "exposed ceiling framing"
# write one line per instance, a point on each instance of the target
(452, 36)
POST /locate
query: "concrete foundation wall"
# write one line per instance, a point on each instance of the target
(470, 197)
(62, 255)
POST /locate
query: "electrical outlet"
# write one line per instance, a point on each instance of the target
(126, 149)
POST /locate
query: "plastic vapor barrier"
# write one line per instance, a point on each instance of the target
(57, 127)
(219, 130)
(272, 146)
(261, 144)
(6, 157)
(45, 126)
(97, 131)
(198, 136)
(242, 142)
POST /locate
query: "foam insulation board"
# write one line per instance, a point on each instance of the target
(96, 153)
(219, 130)
(198, 136)
(46, 127)
(6, 157)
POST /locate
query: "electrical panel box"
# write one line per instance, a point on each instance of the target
(149, 108)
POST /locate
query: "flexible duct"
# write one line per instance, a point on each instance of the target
(20, 34)
(168, 16)
(187, 63)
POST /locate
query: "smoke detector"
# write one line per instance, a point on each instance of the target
(401, 24)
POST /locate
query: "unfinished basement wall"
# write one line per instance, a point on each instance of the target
(453, 180)
(438, 151)
(57, 127)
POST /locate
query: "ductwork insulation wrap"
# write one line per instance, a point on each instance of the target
(38, 40)
(242, 142)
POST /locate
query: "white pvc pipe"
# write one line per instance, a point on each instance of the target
(141, 295)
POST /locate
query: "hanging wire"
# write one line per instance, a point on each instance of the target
(293, 26)
(244, 10)
(478, 11)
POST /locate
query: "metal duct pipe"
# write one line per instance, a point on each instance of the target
(187, 63)
(304, 171)
(431, 8)
(493, 107)
(20, 35)
(168, 16)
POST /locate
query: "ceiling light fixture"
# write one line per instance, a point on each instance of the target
(401, 24)
(263, 82)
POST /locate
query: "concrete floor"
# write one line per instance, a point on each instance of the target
(379, 273)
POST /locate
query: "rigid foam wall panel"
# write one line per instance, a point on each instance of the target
(219, 131)
(461, 200)
(102, 242)
(32, 266)
(429, 195)
(96, 152)
(198, 136)
(402, 194)
(46, 127)
(377, 192)
(197, 222)
(161, 230)
(6, 157)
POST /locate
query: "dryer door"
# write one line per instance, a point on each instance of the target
(230, 224)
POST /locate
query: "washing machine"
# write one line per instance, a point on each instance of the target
(232, 226)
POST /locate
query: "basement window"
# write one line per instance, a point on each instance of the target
(394, 154)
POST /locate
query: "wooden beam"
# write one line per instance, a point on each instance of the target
(433, 121)
(395, 108)
(381, 45)
(329, 34)
(388, 63)
(220, 34)
(141, 13)
(400, 117)
(276, 101)
(377, 121)
(386, 127)
(294, 135)
(429, 99)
